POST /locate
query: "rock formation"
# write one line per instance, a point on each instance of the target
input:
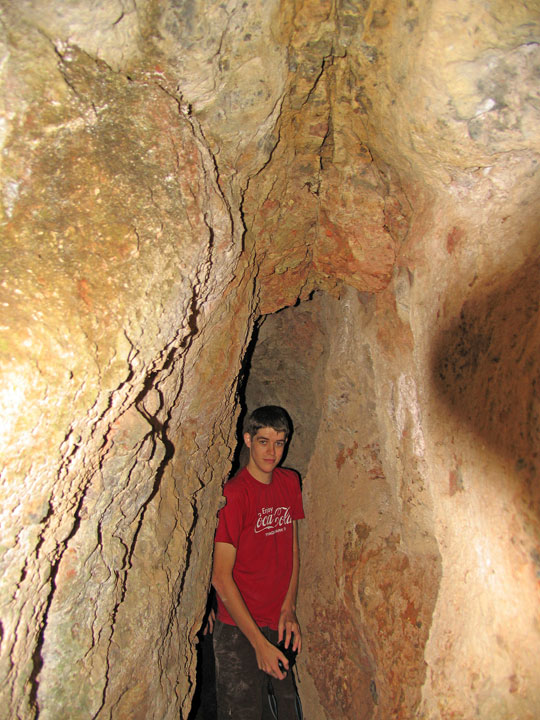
(327, 205)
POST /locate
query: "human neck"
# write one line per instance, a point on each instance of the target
(259, 475)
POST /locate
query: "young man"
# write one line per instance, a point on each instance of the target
(255, 574)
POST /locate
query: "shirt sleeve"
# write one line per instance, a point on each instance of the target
(230, 519)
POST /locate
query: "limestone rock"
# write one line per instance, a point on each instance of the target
(112, 223)
(356, 182)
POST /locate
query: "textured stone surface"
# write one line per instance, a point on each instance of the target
(170, 172)
(113, 220)
(480, 395)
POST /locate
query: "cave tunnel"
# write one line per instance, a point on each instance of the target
(329, 206)
(315, 359)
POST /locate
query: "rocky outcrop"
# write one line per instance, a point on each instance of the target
(357, 181)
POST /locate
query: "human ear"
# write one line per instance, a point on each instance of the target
(247, 440)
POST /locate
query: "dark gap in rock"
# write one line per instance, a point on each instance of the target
(243, 379)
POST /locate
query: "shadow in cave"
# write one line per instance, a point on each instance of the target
(241, 455)
(486, 366)
(204, 703)
(239, 458)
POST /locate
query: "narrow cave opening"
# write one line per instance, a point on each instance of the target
(308, 358)
(283, 365)
(369, 570)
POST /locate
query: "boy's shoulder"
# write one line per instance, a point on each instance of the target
(237, 483)
(288, 480)
(288, 472)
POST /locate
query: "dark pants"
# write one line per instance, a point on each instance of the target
(242, 689)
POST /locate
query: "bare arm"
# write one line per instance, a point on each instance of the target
(288, 623)
(267, 654)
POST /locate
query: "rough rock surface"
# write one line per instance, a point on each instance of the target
(171, 172)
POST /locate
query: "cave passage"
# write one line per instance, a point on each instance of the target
(314, 359)
(279, 368)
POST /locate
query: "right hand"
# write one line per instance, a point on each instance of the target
(268, 657)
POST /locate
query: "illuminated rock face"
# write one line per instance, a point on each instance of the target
(173, 172)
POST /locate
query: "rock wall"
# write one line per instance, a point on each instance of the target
(428, 417)
(171, 173)
(119, 258)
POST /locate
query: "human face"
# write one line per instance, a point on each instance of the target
(265, 451)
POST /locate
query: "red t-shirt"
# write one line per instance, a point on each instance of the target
(257, 520)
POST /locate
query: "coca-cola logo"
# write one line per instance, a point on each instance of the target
(273, 519)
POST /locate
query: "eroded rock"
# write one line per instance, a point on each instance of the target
(171, 172)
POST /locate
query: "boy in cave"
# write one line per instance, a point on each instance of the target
(255, 574)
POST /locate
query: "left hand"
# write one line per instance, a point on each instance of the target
(289, 625)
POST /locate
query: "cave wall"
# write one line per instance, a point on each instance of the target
(441, 93)
(171, 171)
(113, 222)
(419, 584)
(480, 390)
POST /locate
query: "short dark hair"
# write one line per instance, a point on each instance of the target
(271, 416)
